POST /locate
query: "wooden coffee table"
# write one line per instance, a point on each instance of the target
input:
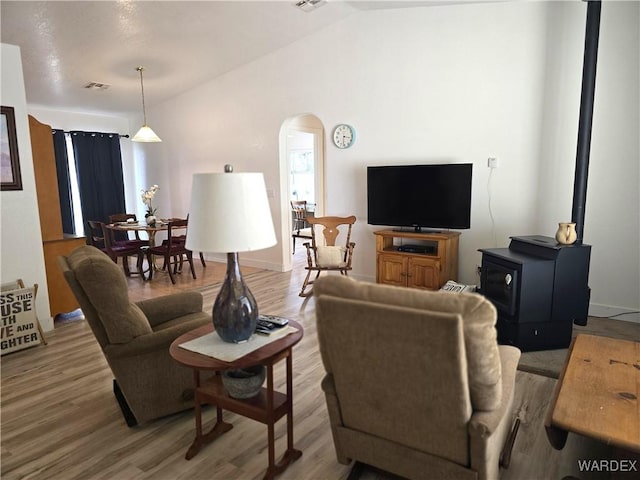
(597, 393)
(267, 407)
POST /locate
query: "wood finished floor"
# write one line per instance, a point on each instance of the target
(60, 419)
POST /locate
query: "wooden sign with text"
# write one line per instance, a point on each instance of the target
(19, 326)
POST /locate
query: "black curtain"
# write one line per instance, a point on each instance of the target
(64, 182)
(99, 169)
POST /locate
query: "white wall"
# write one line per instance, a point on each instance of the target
(612, 215)
(21, 239)
(455, 83)
(612, 223)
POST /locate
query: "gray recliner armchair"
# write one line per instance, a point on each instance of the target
(415, 382)
(135, 337)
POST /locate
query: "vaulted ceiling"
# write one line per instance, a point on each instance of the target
(66, 45)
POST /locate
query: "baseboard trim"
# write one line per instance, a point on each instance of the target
(619, 313)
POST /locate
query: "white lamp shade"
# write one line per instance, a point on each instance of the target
(229, 212)
(145, 134)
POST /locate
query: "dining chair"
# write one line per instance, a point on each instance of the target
(123, 238)
(183, 238)
(100, 237)
(300, 226)
(95, 234)
(173, 250)
(299, 209)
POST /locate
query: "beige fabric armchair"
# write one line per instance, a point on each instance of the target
(415, 383)
(135, 337)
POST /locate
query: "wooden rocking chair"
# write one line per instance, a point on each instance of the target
(325, 255)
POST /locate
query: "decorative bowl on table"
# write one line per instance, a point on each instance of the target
(244, 383)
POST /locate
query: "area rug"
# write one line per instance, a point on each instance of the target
(549, 363)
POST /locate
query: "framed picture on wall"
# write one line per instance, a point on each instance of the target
(10, 166)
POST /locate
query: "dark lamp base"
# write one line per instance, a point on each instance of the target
(235, 311)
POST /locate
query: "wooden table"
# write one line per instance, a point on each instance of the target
(162, 226)
(140, 227)
(597, 393)
(267, 407)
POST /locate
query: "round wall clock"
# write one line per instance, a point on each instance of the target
(344, 135)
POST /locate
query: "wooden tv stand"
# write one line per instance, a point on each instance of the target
(415, 259)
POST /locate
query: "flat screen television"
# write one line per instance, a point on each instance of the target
(433, 196)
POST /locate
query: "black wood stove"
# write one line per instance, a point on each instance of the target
(539, 288)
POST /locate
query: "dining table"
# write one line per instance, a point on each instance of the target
(151, 230)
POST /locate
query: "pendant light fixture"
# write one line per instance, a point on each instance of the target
(145, 134)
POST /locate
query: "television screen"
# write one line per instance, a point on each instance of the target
(430, 196)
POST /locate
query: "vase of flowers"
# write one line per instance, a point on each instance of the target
(147, 198)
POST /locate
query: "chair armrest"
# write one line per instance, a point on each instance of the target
(349, 253)
(161, 309)
(149, 343)
(483, 424)
(333, 403)
(489, 431)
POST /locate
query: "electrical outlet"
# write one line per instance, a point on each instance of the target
(478, 269)
(493, 162)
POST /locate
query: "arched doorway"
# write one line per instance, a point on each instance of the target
(301, 172)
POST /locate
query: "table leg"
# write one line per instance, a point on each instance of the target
(291, 454)
(152, 243)
(270, 423)
(290, 403)
(556, 436)
(218, 429)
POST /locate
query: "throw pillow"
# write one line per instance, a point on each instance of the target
(330, 256)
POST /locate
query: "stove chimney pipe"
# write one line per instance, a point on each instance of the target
(586, 116)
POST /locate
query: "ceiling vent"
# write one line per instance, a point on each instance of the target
(308, 5)
(97, 86)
